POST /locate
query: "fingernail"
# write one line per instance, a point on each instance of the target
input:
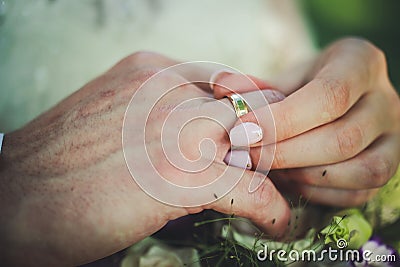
(217, 74)
(245, 134)
(238, 158)
(256, 182)
(273, 96)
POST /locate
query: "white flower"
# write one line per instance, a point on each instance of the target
(151, 252)
(377, 254)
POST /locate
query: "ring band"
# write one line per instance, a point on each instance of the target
(239, 105)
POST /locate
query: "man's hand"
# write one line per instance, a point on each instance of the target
(66, 194)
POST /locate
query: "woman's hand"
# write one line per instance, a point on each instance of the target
(338, 129)
(67, 196)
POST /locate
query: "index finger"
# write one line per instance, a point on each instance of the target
(329, 96)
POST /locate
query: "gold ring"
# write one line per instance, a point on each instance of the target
(239, 105)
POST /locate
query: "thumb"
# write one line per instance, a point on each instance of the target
(265, 206)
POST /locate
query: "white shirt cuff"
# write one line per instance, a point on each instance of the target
(1, 140)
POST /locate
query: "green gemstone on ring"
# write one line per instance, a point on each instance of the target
(241, 104)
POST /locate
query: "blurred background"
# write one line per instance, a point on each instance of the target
(50, 48)
(377, 21)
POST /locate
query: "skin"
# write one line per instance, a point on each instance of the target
(67, 197)
(66, 194)
(343, 144)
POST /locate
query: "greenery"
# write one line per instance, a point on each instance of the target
(374, 20)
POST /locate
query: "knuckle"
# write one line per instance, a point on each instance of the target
(140, 57)
(375, 59)
(143, 74)
(135, 62)
(378, 56)
(379, 170)
(359, 197)
(336, 97)
(143, 77)
(356, 42)
(349, 141)
(375, 53)
(285, 127)
(264, 196)
(372, 54)
(279, 161)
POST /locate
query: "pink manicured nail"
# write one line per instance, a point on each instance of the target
(217, 74)
(238, 158)
(273, 96)
(245, 134)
